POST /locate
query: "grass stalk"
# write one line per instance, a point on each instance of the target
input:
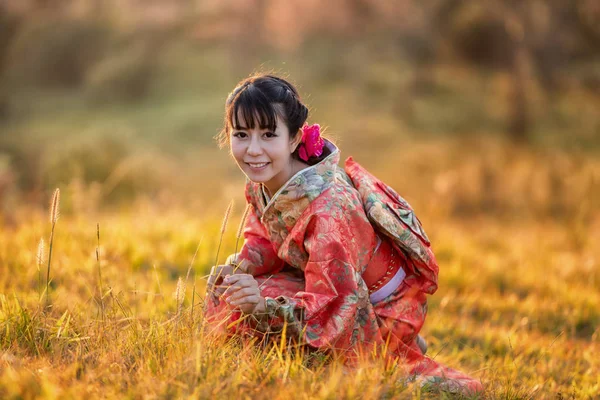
(222, 233)
(40, 259)
(223, 229)
(179, 296)
(194, 286)
(239, 233)
(100, 285)
(54, 214)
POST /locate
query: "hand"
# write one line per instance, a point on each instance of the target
(215, 280)
(243, 293)
(241, 266)
(232, 259)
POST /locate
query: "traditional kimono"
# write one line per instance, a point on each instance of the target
(344, 263)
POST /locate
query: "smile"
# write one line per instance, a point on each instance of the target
(258, 165)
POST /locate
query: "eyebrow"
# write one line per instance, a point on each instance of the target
(243, 128)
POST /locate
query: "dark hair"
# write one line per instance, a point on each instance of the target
(259, 99)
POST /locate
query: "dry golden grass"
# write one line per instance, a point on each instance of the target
(518, 304)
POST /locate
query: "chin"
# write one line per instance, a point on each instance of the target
(255, 180)
(255, 177)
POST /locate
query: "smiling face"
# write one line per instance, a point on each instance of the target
(264, 155)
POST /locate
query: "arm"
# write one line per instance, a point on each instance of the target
(334, 309)
(257, 255)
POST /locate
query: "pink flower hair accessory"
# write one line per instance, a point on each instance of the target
(312, 143)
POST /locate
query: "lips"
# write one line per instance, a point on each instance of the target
(258, 166)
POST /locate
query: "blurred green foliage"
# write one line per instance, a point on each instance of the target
(56, 52)
(91, 91)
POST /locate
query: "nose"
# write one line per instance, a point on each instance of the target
(254, 148)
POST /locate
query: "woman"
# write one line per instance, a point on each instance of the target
(334, 254)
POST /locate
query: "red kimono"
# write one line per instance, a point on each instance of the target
(342, 260)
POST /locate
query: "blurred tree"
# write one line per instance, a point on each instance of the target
(491, 35)
(125, 75)
(587, 19)
(514, 17)
(9, 24)
(56, 51)
(533, 41)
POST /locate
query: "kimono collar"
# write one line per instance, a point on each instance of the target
(302, 188)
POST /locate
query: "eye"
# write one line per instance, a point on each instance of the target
(240, 135)
(270, 134)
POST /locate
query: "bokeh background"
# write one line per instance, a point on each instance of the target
(484, 115)
(465, 107)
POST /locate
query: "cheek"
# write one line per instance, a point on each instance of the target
(237, 152)
(281, 152)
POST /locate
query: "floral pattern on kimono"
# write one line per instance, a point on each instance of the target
(394, 217)
(323, 223)
(258, 252)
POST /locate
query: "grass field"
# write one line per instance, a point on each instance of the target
(518, 304)
(514, 228)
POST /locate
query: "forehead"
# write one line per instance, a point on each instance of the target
(245, 120)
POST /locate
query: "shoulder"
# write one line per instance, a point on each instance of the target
(339, 207)
(337, 222)
(340, 195)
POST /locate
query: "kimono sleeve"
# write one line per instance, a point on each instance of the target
(333, 310)
(395, 218)
(258, 251)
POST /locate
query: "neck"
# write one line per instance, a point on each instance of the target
(295, 167)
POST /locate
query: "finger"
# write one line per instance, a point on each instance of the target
(241, 267)
(239, 277)
(246, 301)
(243, 282)
(211, 277)
(210, 287)
(245, 287)
(232, 289)
(239, 283)
(242, 293)
(232, 259)
(220, 289)
(218, 272)
(221, 270)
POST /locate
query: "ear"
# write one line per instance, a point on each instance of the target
(294, 143)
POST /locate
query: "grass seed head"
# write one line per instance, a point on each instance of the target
(226, 217)
(242, 222)
(179, 294)
(54, 213)
(40, 253)
(179, 291)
